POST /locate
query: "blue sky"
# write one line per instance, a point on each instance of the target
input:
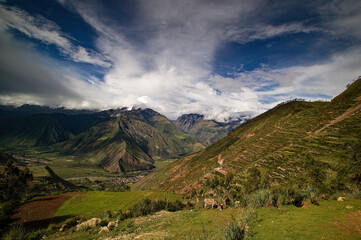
(223, 59)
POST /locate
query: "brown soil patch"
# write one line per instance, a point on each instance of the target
(350, 223)
(39, 212)
(250, 135)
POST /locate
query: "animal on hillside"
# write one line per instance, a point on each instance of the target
(211, 202)
(226, 202)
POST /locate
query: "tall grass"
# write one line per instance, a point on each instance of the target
(234, 232)
(16, 232)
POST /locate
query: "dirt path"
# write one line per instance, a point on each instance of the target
(39, 212)
(345, 115)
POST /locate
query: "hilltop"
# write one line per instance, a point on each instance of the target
(314, 144)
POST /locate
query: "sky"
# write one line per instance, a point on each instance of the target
(223, 59)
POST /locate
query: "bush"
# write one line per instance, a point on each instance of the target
(148, 206)
(103, 223)
(248, 215)
(16, 232)
(71, 222)
(14, 182)
(5, 211)
(233, 232)
(260, 198)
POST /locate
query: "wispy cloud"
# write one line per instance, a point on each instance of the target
(49, 32)
(245, 34)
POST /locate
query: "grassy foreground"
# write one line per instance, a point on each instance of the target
(330, 220)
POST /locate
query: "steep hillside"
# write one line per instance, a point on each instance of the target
(317, 144)
(132, 140)
(208, 131)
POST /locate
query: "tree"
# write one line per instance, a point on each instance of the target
(14, 182)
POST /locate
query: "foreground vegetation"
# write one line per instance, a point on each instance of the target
(330, 219)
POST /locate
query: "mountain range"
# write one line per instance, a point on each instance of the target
(132, 140)
(118, 140)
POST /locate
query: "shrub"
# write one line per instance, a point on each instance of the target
(16, 232)
(107, 214)
(174, 206)
(148, 206)
(260, 198)
(13, 182)
(71, 222)
(5, 211)
(103, 223)
(254, 179)
(248, 215)
(233, 232)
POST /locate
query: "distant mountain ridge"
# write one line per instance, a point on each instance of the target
(44, 129)
(208, 131)
(27, 109)
(131, 141)
(118, 140)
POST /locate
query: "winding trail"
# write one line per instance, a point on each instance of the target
(349, 112)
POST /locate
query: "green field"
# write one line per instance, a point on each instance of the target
(94, 204)
(330, 220)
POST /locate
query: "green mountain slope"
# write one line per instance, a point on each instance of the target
(132, 140)
(317, 144)
(208, 131)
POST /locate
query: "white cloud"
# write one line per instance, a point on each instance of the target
(49, 33)
(163, 60)
(315, 82)
(171, 71)
(245, 34)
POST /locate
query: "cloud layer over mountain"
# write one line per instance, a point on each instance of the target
(166, 55)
